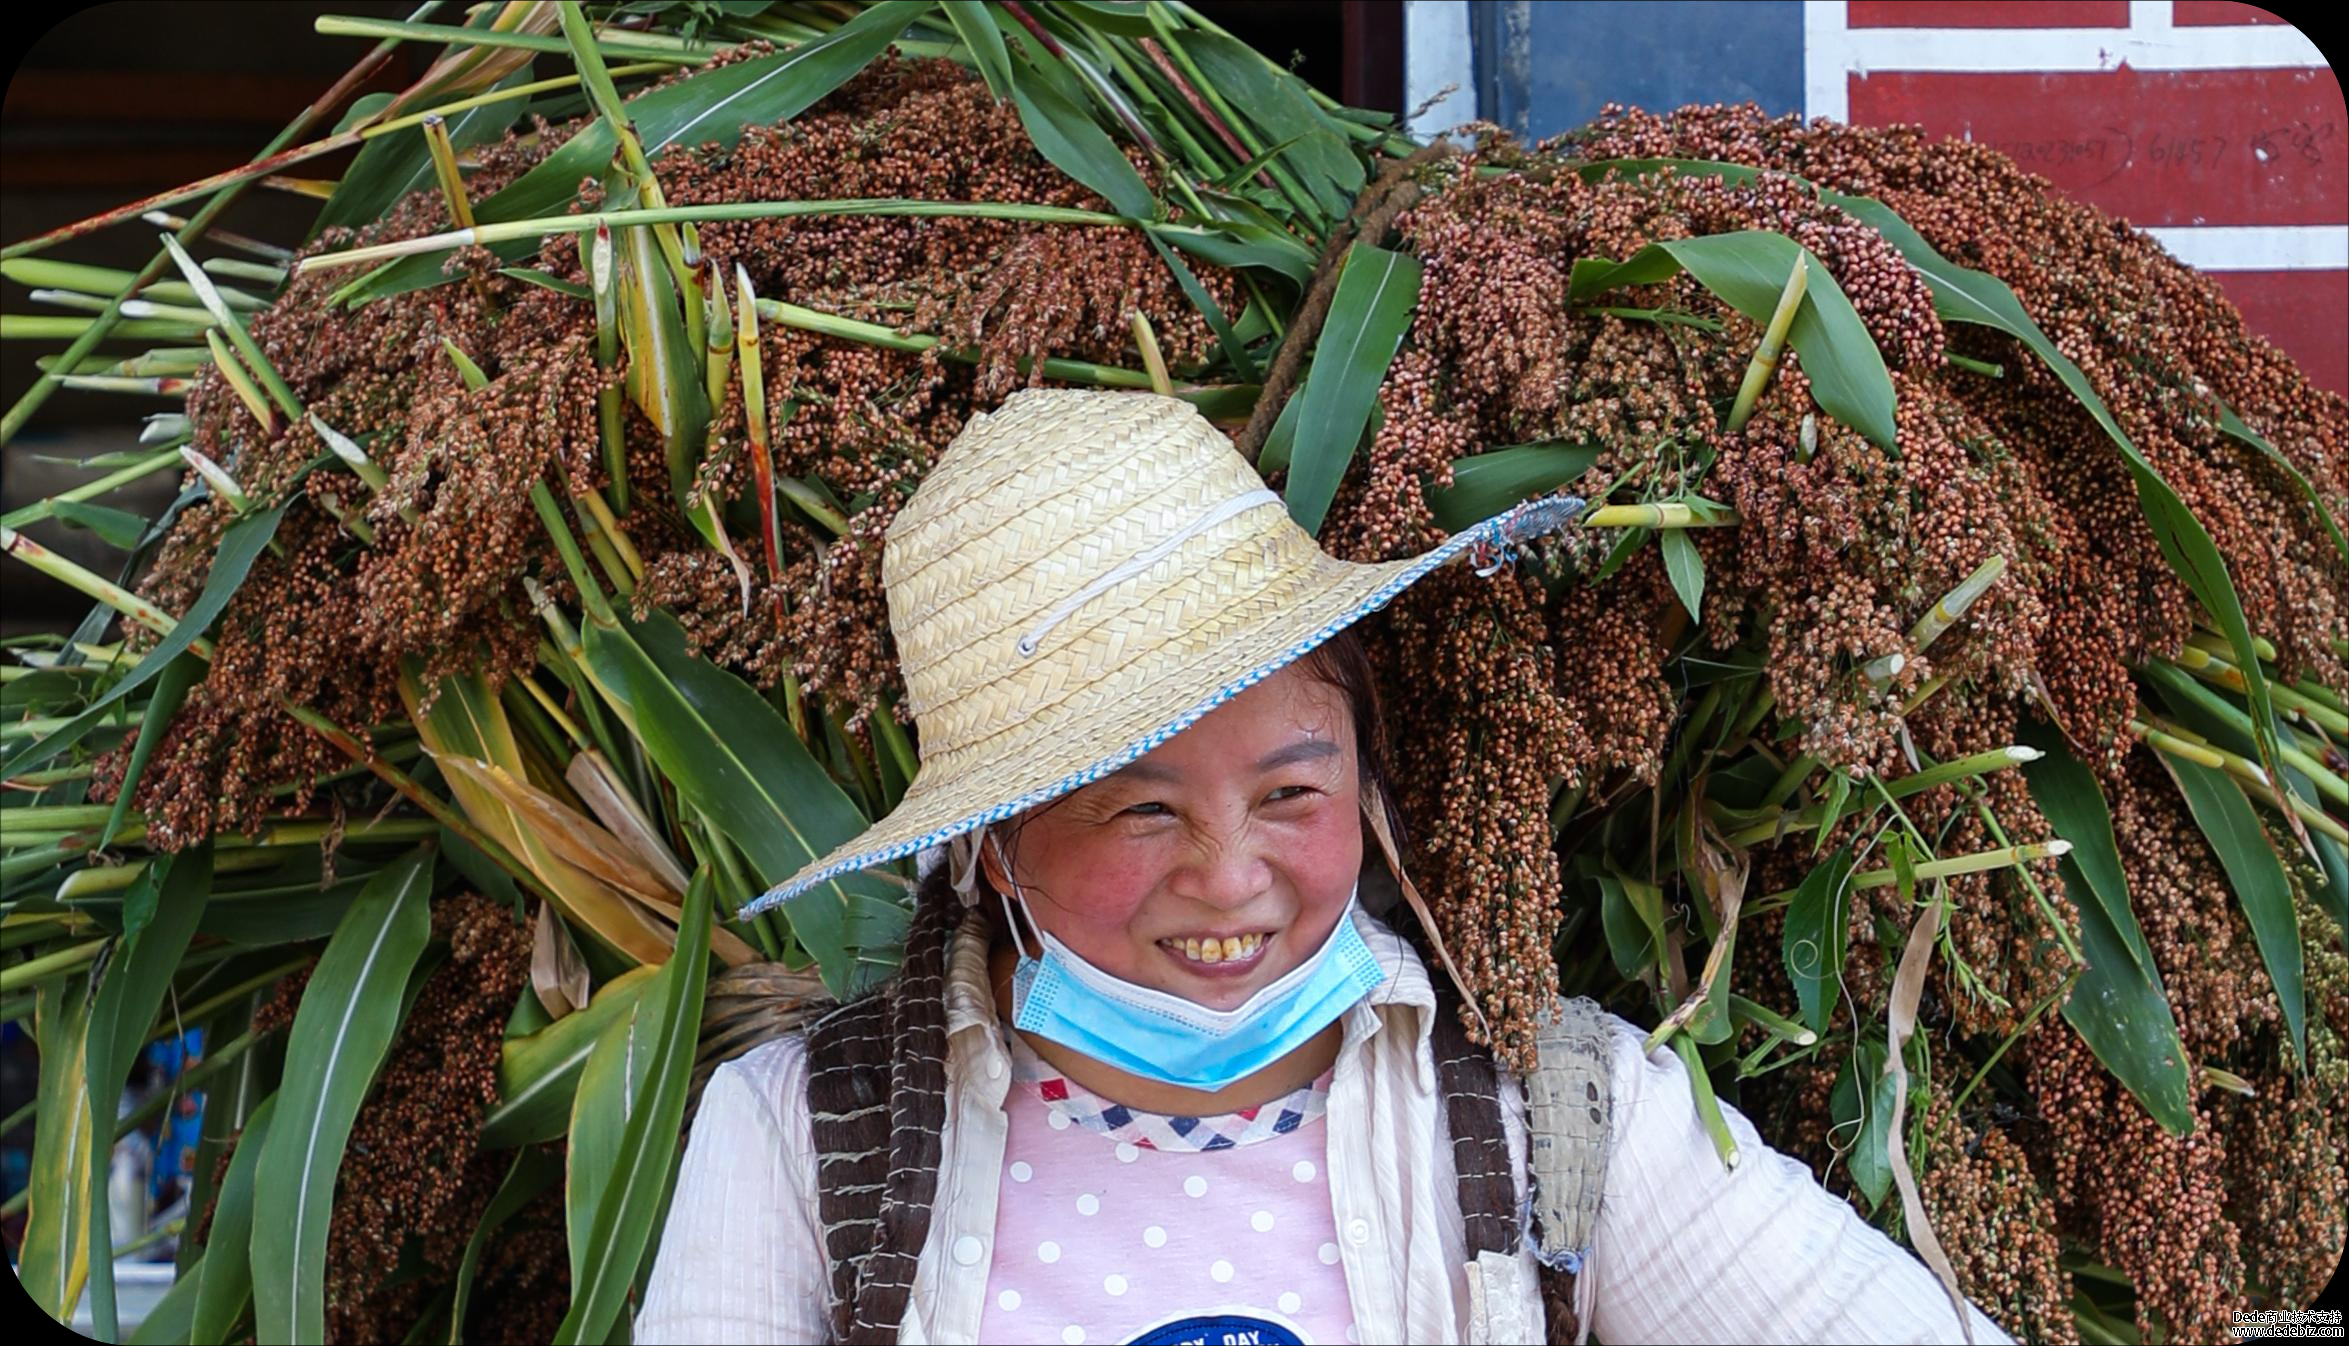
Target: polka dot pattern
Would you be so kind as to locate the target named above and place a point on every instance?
(1100, 1238)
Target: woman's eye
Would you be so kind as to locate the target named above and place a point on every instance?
(1151, 804)
(1302, 791)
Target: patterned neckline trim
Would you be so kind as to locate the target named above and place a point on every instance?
(1065, 1098)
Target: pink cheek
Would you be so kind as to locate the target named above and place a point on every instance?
(1330, 852)
(1100, 893)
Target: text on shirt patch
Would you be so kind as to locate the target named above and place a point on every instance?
(1219, 1329)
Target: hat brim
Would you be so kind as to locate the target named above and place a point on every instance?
(1333, 595)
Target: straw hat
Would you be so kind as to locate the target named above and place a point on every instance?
(1082, 576)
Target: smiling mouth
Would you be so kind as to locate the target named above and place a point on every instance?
(1235, 949)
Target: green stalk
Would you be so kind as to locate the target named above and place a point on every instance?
(638, 46)
(103, 282)
(1771, 1019)
(1955, 602)
(591, 594)
(592, 507)
(2216, 670)
(44, 327)
(1298, 198)
(240, 384)
(1700, 1084)
(43, 509)
(604, 96)
(2039, 896)
(143, 387)
(351, 521)
(219, 1000)
(2001, 857)
(547, 706)
(50, 964)
(1659, 514)
(892, 736)
(163, 219)
(508, 231)
(131, 308)
(607, 355)
(112, 595)
(1789, 780)
(444, 170)
(754, 419)
(873, 334)
(240, 269)
(233, 328)
(1943, 773)
(2180, 742)
(1766, 355)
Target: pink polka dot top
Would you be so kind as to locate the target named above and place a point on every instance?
(1117, 1226)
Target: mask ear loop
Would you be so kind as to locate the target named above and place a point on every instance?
(1374, 805)
(1010, 924)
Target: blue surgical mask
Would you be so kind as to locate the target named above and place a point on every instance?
(1160, 1036)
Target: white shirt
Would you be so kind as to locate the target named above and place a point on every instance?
(1684, 1251)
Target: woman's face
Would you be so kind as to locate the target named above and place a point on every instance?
(1241, 835)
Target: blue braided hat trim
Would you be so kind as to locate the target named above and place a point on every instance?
(1531, 519)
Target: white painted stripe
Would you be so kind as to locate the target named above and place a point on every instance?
(1865, 51)
(1826, 81)
(2304, 247)
(1437, 53)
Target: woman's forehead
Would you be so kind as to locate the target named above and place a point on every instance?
(1286, 715)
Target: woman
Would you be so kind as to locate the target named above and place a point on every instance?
(1152, 1072)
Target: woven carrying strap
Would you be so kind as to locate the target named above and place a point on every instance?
(1470, 1082)
(1569, 1104)
(848, 1113)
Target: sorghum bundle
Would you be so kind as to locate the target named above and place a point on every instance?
(1577, 752)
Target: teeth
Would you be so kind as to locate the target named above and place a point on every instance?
(1225, 950)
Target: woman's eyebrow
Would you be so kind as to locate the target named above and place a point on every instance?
(1305, 750)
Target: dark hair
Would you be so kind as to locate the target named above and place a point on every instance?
(1343, 662)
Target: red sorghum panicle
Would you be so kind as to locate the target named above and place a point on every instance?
(1993, 1217)
(414, 1181)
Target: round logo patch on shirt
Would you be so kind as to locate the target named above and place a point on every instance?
(1219, 1329)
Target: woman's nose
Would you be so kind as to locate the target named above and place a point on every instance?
(1227, 870)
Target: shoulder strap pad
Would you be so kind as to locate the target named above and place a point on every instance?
(1569, 1102)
